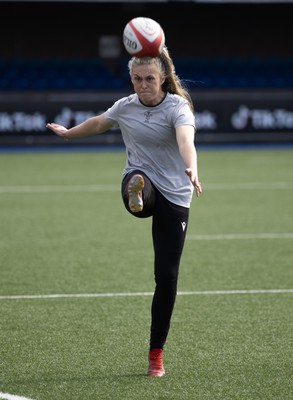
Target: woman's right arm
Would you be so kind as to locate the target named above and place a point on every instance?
(90, 127)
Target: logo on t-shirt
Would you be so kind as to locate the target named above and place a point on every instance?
(147, 115)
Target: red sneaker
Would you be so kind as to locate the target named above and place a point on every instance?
(156, 363)
(135, 186)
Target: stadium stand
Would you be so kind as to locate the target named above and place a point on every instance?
(93, 74)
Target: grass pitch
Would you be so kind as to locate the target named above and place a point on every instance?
(64, 231)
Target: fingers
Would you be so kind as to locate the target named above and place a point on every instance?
(59, 130)
(198, 189)
(53, 127)
(194, 181)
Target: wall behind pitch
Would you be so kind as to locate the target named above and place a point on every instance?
(72, 29)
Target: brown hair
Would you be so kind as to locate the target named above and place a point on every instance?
(172, 82)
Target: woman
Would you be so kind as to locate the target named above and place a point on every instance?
(160, 175)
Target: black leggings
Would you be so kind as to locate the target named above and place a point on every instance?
(169, 227)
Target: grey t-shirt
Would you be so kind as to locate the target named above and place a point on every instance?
(149, 135)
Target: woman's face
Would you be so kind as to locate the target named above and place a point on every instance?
(147, 83)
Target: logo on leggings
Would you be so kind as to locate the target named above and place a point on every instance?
(183, 224)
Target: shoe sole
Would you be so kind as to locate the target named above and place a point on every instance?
(135, 186)
(157, 374)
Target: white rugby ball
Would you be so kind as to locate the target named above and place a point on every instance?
(143, 37)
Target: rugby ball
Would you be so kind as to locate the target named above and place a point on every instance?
(143, 37)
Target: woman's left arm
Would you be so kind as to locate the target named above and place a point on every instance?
(185, 140)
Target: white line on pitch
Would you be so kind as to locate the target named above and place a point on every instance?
(241, 236)
(140, 294)
(7, 396)
(247, 185)
(113, 188)
(58, 189)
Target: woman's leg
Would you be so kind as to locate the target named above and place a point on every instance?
(169, 231)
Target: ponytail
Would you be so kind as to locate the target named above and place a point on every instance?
(172, 83)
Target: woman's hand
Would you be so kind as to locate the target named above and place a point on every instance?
(194, 180)
(59, 130)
